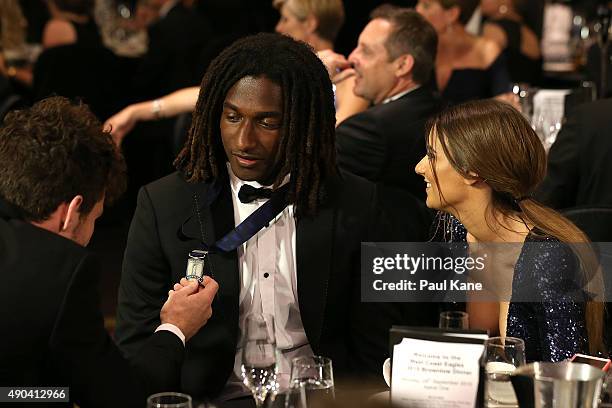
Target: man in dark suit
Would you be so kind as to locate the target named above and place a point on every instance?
(260, 156)
(58, 167)
(392, 63)
(579, 171)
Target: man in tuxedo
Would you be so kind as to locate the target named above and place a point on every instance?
(258, 188)
(579, 171)
(58, 168)
(393, 62)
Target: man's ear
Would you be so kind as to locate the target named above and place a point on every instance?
(405, 63)
(453, 14)
(311, 24)
(72, 215)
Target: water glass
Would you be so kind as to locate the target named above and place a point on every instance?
(259, 357)
(169, 400)
(316, 374)
(454, 320)
(524, 98)
(501, 357)
(547, 127)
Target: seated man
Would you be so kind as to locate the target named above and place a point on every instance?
(393, 63)
(261, 149)
(58, 168)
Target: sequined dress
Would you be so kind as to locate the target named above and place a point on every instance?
(553, 329)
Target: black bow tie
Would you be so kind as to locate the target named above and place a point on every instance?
(247, 193)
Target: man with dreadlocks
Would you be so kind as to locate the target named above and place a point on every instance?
(258, 188)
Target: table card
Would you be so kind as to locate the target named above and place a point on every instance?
(435, 374)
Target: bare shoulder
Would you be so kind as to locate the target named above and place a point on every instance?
(488, 50)
(495, 33)
(58, 32)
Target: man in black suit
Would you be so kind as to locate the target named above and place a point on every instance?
(393, 62)
(260, 155)
(58, 167)
(579, 171)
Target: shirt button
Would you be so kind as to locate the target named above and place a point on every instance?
(266, 275)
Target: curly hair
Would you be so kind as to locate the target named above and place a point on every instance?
(307, 142)
(54, 151)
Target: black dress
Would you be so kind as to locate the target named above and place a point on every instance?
(475, 83)
(520, 67)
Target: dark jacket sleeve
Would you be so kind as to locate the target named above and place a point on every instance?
(360, 146)
(370, 321)
(99, 376)
(560, 186)
(145, 280)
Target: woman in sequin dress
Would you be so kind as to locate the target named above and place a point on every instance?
(483, 162)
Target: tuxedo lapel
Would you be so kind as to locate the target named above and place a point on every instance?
(223, 265)
(215, 210)
(314, 244)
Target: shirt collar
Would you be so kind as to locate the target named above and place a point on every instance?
(399, 95)
(236, 183)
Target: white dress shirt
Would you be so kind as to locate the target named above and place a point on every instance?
(400, 94)
(268, 277)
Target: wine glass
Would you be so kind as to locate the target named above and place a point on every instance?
(454, 320)
(316, 374)
(502, 355)
(169, 400)
(547, 126)
(259, 358)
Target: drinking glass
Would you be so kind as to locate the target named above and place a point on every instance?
(259, 357)
(547, 127)
(454, 320)
(316, 374)
(524, 98)
(502, 355)
(169, 400)
(295, 396)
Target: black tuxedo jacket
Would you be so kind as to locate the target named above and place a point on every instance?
(337, 324)
(52, 329)
(385, 142)
(579, 171)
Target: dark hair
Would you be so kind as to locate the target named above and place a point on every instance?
(513, 166)
(413, 35)
(466, 8)
(54, 151)
(307, 142)
(81, 7)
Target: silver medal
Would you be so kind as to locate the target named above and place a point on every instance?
(195, 265)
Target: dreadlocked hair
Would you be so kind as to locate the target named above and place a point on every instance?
(307, 141)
